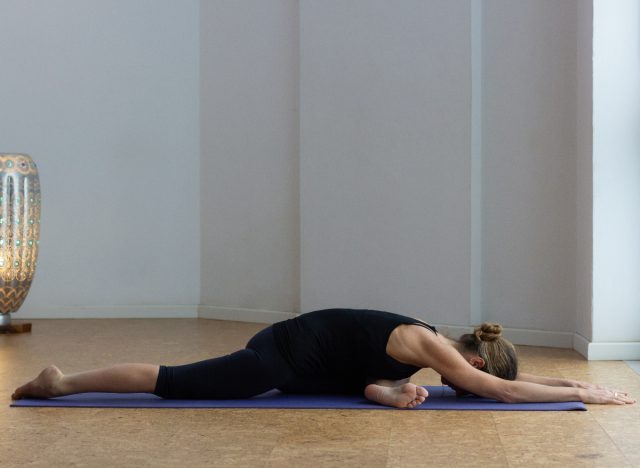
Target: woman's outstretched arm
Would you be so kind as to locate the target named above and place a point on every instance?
(560, 382)
(550, 381)
(454, 368)
(556, 381)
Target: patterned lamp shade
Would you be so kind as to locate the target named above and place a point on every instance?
(19, 230)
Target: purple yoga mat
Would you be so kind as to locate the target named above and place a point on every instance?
(440, 398)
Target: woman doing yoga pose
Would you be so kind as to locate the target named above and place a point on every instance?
(338, 351)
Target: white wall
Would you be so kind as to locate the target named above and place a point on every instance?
(385, 168)
(104, 96)
(249, 178)
(529, 153)
(616, 172)
(430, 148)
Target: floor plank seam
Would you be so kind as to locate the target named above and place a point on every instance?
(504, 452)
(614, 442)
(386, 464)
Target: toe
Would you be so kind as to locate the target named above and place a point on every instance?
(18, 393)
(416, 403)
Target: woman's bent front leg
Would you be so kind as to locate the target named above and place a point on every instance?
(400, 395)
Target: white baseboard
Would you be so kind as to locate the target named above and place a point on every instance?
(581, 345)
(515, 335)
(243, 315)
(628, 351)
(519, 336)
(594, 351)
(105, 312)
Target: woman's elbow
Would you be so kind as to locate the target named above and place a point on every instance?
(508, 397)
(507, 394)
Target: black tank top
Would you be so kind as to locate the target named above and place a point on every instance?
(343, 343)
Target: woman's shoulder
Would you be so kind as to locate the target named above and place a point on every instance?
(413, 344)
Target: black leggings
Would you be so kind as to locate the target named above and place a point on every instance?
(256, 369)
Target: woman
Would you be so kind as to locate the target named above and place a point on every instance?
(338, 351)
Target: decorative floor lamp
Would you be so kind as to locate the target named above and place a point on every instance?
(19, 235)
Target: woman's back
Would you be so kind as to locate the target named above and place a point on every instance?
(349, 344)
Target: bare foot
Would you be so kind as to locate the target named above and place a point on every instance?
(46, 385)
(405, 396)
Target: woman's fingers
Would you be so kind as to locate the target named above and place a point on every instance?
(621, 398)
(625, 398)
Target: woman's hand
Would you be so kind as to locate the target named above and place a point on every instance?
(603, 396)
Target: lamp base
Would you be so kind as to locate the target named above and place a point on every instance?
(16, 327)
(9, 326)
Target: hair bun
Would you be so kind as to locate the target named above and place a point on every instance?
(488, 332)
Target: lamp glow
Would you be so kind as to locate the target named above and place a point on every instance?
(19, 231)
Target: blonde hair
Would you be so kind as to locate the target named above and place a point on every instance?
(498, 354)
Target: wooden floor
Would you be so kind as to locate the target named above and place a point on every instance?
(603, 436)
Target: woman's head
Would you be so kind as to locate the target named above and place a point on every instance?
(498, 354)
